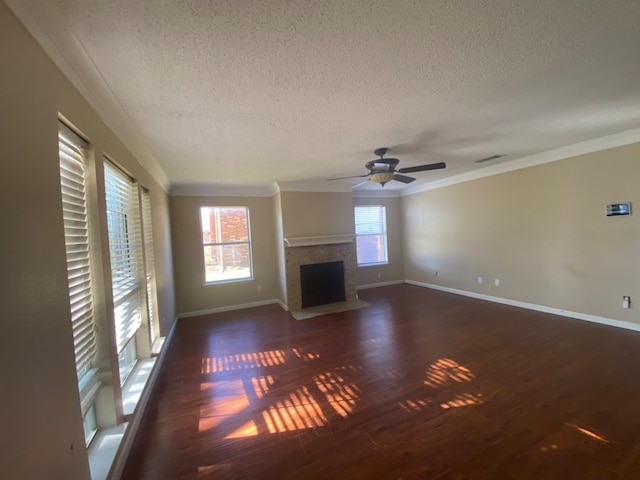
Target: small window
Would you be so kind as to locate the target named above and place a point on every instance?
(371, 235)
(226, 243)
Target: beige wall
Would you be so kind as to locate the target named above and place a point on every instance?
(308, 214)
(191, 293)
(39, 405)
(542, 231)
(280, 253)
(393, 271)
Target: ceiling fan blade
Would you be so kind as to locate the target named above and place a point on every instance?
(352, 176)
(423, 168)
(403, 178)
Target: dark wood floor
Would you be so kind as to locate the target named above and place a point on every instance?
(422, 384)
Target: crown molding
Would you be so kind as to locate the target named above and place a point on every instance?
(380, 193)
(313, 186)
(621, 139)
(223, 190)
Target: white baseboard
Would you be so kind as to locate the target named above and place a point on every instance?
(532, 306)
(132, 429)
(232, 307)
(381, 284)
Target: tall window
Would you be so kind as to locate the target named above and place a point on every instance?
(226, 243)
(72, 152)
(125, 253)
(371, 235)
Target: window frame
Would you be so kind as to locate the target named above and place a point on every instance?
(382, 232)
(248, 242)
(149, 265)
(129, 300)
(77, 218)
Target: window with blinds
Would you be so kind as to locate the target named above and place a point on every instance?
(72, 152)
(371, 235)
(149, 264)
(124, 249)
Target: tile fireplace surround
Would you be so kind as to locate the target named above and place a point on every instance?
(321, 249)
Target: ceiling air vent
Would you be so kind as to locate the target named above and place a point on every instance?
(492, 157)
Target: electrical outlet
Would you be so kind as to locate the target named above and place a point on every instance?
(259, 288)
(379, 275)
(496, 282)
(435, 273)
(479, 279)
(626, 301)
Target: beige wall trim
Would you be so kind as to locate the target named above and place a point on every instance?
(532, 306)
(229, 308)
(590, 146)
(132, 429)
(220, 190)
(379, 284)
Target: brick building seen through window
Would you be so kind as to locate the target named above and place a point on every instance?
(226, 243)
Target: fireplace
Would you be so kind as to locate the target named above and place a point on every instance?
(322, 283)
(328, 249)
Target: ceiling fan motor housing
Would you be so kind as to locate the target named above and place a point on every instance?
(383, 170)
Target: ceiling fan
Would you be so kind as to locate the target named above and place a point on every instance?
(383, 170)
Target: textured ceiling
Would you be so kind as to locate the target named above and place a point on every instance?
(255, 92)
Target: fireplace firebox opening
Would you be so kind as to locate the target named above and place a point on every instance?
(322, 283)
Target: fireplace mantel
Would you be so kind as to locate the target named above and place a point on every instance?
(319, 240)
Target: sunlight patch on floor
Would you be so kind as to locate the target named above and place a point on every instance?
(249, 429)
(222, 400)
(305, 355)
(340, 394)
(589, 433)
(462, 400)
(242, 361)
(298, 412)
(444, 371)
(261, 385)
(414, 405)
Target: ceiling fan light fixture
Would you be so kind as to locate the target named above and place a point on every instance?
(382, 177)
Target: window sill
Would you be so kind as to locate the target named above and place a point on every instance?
(103, 450)
(227, 282)
(134, 385)
(157, 346)
(364, 265)
(106, 442)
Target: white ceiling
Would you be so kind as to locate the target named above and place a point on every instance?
(255, 92)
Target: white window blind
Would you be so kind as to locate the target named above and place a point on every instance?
(76, 233)
(371, 235)
(149, 261)
(124, 244)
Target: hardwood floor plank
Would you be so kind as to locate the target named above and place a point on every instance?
(421, 384)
